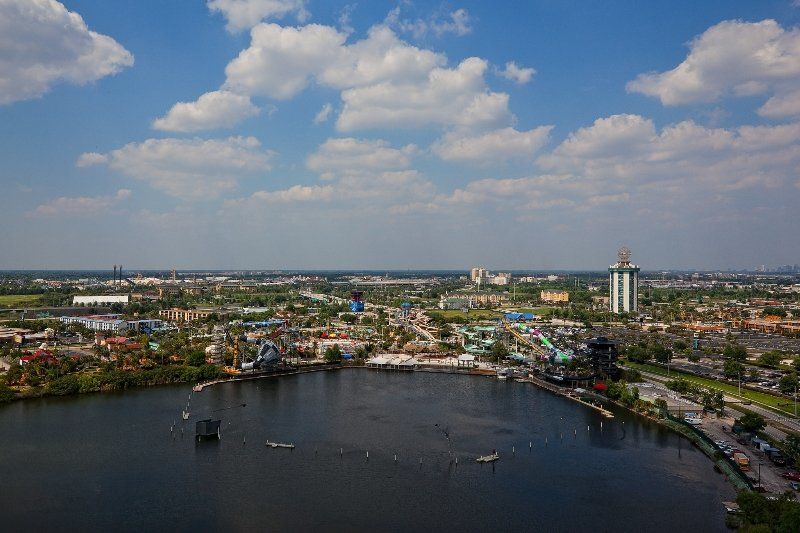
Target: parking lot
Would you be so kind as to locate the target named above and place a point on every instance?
(719, 430)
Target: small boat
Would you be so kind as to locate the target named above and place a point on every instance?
(280, 445)
(185, 415)
(488, 458)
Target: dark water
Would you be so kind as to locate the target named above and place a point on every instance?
(109, 462)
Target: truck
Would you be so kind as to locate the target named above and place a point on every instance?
(742, 460)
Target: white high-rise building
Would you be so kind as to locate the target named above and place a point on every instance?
(623, 281)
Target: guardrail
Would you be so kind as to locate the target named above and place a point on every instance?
(716, 452)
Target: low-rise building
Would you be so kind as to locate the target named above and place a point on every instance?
(188, 315)
(468, 300)
(97, 322)
(553, 296)
(100, 299)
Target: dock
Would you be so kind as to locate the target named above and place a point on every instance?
(567, 393)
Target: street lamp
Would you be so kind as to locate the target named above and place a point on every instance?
(759, 474)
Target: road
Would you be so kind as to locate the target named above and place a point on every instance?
(733, 402)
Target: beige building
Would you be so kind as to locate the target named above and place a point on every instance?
(554, 297)
(187, 315)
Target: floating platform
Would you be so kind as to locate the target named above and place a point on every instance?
(207, 429)
(280, 445)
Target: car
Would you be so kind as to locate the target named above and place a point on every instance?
(792, 476)
(794, 485)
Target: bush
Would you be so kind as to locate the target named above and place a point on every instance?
(63, 386)
(7, 394)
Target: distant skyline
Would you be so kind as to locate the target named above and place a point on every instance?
(309, 135)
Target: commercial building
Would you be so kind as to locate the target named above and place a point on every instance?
(97, 322)
(554, 297)
(112, 323)
(468, 300)
(188, 315)
(481, 276)
(100, 299)
(623, 281)
(477, 273)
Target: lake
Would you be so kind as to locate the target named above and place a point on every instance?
(110, 461)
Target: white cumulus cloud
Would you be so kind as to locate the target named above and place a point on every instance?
(731, 58)
(450, 97)
(782, 105)
(42, 43)
(215, 109)
(495, 145)
(191, 169)
(517, 74)
(358, 156)
(385, 81)
(244, 14)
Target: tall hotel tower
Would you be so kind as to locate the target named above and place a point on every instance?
(623, 281)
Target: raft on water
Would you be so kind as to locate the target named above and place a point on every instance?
(280, 445)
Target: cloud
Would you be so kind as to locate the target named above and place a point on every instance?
(626, 150)
(42, 43)
(358, 156)
(323, 114)
(449, 97)
(190, 169)
(519, 75)
(731, 58)
(296, 193)
(780, 106)
(457, 22)
(244, 14)
(89, 159)
(80, 205)
(353, 170)
(495, 145)
(216, 109)
(383, 78)
(280, 61)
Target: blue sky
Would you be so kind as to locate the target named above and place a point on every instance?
(301, 134)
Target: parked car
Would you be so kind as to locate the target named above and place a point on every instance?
(792, 476)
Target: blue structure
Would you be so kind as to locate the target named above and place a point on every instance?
(516, 317)
(357, 304)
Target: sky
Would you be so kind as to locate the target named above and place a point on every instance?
(302, 134)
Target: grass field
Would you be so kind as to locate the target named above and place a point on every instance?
(474, 314)
(777, 403)
(18, 300)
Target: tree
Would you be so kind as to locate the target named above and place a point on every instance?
(732, 368)
(791, 446)
(333, 354)
(788, 383)
(752, 422)
(735, 352)
(196, 358)
(6, 393)
(719, 401)
(499, 351)
(772, 359)
(661, 353)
